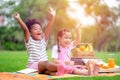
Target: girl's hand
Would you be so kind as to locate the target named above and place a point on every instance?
(78, 27)
(69, 63)
(52, 12)
(16, 15)
(77, 30)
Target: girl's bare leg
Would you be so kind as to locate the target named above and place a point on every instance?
(51, 67)
(90, 67)
(58, 68)
(50, 73)
(41, 66)
(80, 72)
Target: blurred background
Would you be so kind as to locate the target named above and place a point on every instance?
(100, 20)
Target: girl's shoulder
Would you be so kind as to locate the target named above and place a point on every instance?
(55, 47)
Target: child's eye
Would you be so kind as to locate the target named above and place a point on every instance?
(35, 28)
(66, 37)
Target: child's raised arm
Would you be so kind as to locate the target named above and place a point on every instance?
(78, 35)
(52, 14)
(22, 25)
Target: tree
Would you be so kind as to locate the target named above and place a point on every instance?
(105, 19)
(6, 6)
(5, 10)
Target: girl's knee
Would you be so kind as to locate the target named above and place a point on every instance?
(41, 66)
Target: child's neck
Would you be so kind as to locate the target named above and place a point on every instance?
(63, 46)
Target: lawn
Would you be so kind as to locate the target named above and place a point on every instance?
(11, 61)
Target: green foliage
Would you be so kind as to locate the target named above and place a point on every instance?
(11, 38)
(31, 9)
(13, 46)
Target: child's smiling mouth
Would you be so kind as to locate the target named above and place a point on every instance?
(67, 43)
(38, 33)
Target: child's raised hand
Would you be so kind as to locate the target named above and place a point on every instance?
(16, 15)
(52, 12)
(78, 26)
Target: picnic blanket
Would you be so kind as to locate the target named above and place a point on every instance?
(15, 76)
(31, 74)
(72, 75)
(36, 76)
(25, 75)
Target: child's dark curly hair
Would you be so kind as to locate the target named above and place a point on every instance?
(30, 22)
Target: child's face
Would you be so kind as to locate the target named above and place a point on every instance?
(36, 32)
(65, 40)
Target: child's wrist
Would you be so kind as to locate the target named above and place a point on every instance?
(51, 16)
(17, 18)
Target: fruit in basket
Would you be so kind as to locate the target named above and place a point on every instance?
(77, 49)
(90, 48)
(87, 48)
(82, 48)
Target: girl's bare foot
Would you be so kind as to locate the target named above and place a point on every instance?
(90, 67)
(96, 69)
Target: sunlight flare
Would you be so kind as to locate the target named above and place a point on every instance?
(77, 12)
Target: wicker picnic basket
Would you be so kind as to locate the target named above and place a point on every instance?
(83, 50)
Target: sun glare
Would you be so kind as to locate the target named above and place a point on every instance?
(77, 12)
(112, 3)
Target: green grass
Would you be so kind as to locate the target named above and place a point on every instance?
(104, 56)
(12, 61)
(93, 78)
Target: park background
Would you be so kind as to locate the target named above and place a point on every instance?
(100, 21)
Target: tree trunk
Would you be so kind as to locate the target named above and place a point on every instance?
(102, 42)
